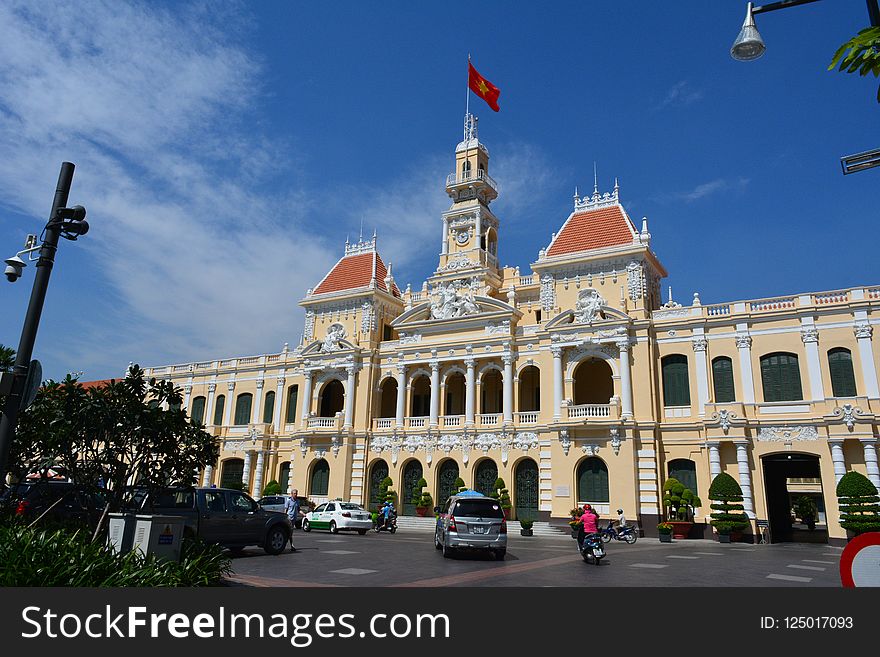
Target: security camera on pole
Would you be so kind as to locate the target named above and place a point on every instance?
(23, 380)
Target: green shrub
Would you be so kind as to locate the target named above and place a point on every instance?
(679, 500)
(526, 523)
(385, 492)
(500, 493)
(858, 500)
(458, 485)
(805, 508)
(728, 514)
(52, 557)
(272, 488)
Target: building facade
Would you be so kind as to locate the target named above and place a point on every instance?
(574, 383)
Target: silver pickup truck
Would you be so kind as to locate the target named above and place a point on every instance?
(224, 516)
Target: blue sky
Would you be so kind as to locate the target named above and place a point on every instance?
(224, 152)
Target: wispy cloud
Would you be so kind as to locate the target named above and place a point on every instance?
(680, 94)
(713, 187)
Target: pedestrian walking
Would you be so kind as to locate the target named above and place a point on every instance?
(293, 511)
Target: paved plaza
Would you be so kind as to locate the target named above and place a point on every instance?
(410, 560)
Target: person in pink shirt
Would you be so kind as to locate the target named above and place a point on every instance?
(588, 523)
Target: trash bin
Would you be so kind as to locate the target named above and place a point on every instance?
(120, 534)
(159, 535)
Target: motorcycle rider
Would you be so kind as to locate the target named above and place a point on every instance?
(621, 521)
(387, 514)
(588, 523)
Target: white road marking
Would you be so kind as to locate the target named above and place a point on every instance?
(679, 556)
(339, 552)
(648, 565)
(830, 563)
(714, 554)
(354, 571)
(330, 540)
(790, 578)
(799, 567)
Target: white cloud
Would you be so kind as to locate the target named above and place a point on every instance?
(680, 94)
(713, 187)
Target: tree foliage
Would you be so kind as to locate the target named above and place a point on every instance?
(272, 488)
(728, 512)
(679, 500)
(500, 493)
(858, 500)
(7, 358)
(128, 431)
(861, 53)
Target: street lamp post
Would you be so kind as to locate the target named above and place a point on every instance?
(63, 222)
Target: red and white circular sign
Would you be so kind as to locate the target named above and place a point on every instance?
(860, 561)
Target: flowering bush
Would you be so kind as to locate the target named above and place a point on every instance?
(574, 523)
(664, 527)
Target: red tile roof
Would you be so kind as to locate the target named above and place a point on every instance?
(95, 384)
(593, 229)
(354, 271)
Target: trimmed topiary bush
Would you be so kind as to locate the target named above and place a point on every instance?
(500, 493)
(420, 497)
(858, 500)
(728, 513)
(458, 485)
(272, 488)
(385, 492)
(679, 500)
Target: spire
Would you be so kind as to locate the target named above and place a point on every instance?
(595, 180)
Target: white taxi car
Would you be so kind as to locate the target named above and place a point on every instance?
(337, 517)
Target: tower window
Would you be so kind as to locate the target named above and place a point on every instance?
(538, 316)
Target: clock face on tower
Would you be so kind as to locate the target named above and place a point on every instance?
(462, 237)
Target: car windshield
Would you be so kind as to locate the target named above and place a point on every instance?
(180, 499)
(478, 509)
(348, 506)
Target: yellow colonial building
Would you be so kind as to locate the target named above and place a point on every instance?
(574, 383)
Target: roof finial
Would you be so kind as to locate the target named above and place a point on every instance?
(595, 179)
(361, 234)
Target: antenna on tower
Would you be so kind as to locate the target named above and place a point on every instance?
(595, 178)
(361, 234)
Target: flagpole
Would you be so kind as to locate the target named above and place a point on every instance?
(467, 93)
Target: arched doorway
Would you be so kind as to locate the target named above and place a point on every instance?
(412, 472)
(284, 477)
(319, 484)
(485, 475)
(592, 480)
(447, 473)
(232, 473)
(525, 490)
(787, 478)
(491, 391)
(332, 399)
(388, 398)
(455, 387)
(592, 382)
(529, 389)
(421, 397)
(378, 472)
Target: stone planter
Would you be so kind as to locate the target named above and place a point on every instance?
(423, 511)
(724, 538)
(525, 532)
(666, 538)
(680, 529)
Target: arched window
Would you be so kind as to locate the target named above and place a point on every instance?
(284, 477)
(269, 407)
(332, 399)
(388, 398)
(219, 404)
(491, 392)
(685, 471)
(843, 381)
(197, 415)
(320, 478)
(378, 472)
(485, 475)
(447, 473)
(421, 397)
(593, 480)
(530, 389)
(232, 473)
(722, 379)
(781, 377)
(292, 395)
(676, 388)
(466, 170)
(455, 394)
(243, 405)
(593, 382)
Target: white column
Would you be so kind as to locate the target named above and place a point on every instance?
(258, 476)
(507, 394)
(401, 395)
(246, 473)
(699, 343)
(868, 444)
(745, 478)
(557, 382)
(435, 392)
(230, 400)
(187, 391)
(714, 459)
(257, 410)
(626, 397)
(280, 393)
(810, 337)
(307, 398)
(349, 397)
(209, 405)
(209, 473)
(837, 458)
(444, 244)
(863, 332)
(469, 393)
(747, 381)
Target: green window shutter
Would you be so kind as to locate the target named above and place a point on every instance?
(722, 378)
(843, 380)
(320, 478)
(243, 404)
(676, 388)
(292, 396)
(685, 471)
(218, 410)
(781, 378)
(593, 481)
(198, 410)
(791, 378)
(269, 411)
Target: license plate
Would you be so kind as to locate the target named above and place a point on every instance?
(478, 530)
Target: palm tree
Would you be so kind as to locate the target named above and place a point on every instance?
(7, 358)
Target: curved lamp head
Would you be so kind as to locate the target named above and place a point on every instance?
(748, 45)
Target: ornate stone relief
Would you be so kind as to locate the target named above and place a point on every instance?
(548, 293)
(635, 280)
(335, 333)
(410, 339)
(368, 317)
(724, 418)
(809, 334)
(502, 327)
(589, 306)
(848, 414)
(788, 434)
(565, 441)
(590, 449)
(862, 330)
(743, 341)
(454, 299)
(616, 441)
(309, 332)
(699, 343)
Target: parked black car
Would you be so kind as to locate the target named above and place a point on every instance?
(224, 516)
(30, 498)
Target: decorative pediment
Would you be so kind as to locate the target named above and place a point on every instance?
(589, 312)
(452, 308)
(318, 348)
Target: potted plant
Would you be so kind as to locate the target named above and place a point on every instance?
(500, 493)
(680, 502)
(526, 526)
(575, 522)
(665, 531)
(385, 493)
(859, 508)
(458, 485)
(728, 514)
(422, 498)
(806, 510)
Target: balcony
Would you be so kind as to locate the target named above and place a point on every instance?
(591, 411)
(470, 177)
(526, 417)
(416, 422)
(325, 423)
(451, 421)
(489, 419)
(383, 423)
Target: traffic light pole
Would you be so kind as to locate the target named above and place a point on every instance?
(32, 319)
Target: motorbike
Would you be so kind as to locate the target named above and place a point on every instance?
(592, 548)
(388, 525)
(627, 534)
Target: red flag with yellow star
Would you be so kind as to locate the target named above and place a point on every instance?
(482, 87)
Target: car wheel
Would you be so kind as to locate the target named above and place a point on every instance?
(500, 554)
(362, 531)
(437, 545)
(306, 527)
(448, 551)
(276, 539)
(333, 528)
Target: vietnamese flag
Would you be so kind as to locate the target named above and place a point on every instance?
(482, 87)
